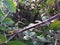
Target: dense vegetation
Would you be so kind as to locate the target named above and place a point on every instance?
(19, 14)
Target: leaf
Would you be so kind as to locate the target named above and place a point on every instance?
(8, 21)
(58, 0)
(1, 15)
(40, 5)
(15, 3)
(10, 5)
(0, 0)
(2, 38)
(22, 1)
(50, 2)
(55, 25)
(2, 27)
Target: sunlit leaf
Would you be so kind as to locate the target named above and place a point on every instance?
(11, 6)
(58, 0)
(50, 2)
(15, 3)
(55, 25)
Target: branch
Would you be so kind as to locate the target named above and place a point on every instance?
(20, 31)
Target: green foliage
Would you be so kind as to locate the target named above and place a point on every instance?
(22, 1)
(2, 38)
(10, 5)
(2, 27)
(55, 25)
(0, 0)
(16, 43)
(50, 2)
(58, 0)
(40, 5)
(4, 22)
(8, 21)
(1, 15)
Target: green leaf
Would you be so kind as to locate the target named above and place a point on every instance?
(50, 2)
(55, 25)
(58, 0)
(2, 38)
(8, 21)
(22, 1)
(0, 0)
(10, 5)
(2, 27)
(1, 15)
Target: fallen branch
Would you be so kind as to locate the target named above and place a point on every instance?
(22, 30)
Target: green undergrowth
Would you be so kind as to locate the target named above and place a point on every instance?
(2, 38)
(20, 42)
